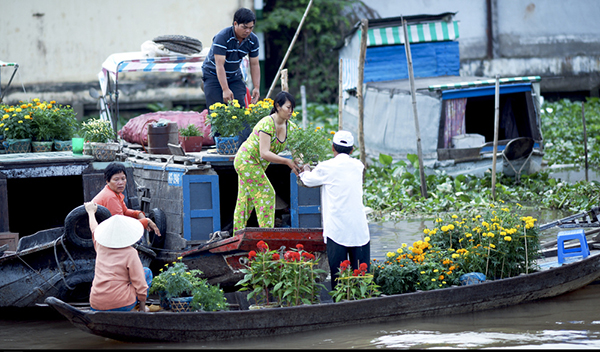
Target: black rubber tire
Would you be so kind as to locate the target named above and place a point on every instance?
(179, 39)
(160, 219)
(180, 48)
(77, 226)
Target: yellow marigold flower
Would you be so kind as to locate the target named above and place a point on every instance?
(502, 233)
(5, 116)
(468, 235)
(426, 231)
(294, 114)
(179, 258)
(214, 114)
(433, 280)
(519, 205)
(444, 228)
(234, 117)
(6, 129)
(27, 117)
(422, 272)
(11, 109)
(454, 256)
(491, 235)
(173, 274)
(427, 239)
(49, 106)
(444, 282)
(36, 100)
(451, 227)
(438, 220)
(24, 106)
(492, 245)
(399, 250)
(404, 245)
(174, 262)
(454, 216)
(332, 132)
(246, 112)
(160, 270)
(390, 254)
(435, 270)
(20, 121)
(18, 110)
(507, 238)
(187, 272)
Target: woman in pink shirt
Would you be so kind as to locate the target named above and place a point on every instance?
(120, 279)
(112, 197)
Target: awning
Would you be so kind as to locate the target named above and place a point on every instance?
(417, 33)
(484, 83)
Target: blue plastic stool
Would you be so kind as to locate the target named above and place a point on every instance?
(582, 250)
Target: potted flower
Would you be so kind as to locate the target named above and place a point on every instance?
(286, 279)
(309, 146)
(191, 138)
(181, 289)
(66, 127)
(227, 121)
(99, 136)
(16, 127)
(354, 284)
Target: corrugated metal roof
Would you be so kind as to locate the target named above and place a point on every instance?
(417, 33)
(479, 83)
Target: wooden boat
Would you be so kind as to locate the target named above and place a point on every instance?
(552, 280)
(56, 262)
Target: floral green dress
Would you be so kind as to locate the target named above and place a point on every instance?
(255, 191)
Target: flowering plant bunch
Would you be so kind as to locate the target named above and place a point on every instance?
(16, 121)
(42, 121)
(178, 281)
(354, 284)
(97, 130)
(291, 280)
(499, 243)
(255, 112)
(310, 145)
(227, 119)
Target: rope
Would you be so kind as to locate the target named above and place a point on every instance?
(62, 274)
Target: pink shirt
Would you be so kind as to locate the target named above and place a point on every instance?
(119, 278)
(115, 203)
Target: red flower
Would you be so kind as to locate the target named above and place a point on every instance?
(356, 272)
(276, 256)
(345, 264)
(262, 246)
(291, 256)
(363, 267)
(299, 247)
(251, 255)
(308, 256)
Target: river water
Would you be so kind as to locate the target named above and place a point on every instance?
(566, 322)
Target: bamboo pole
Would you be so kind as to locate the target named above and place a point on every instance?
(304, 112)
(496, 123)
(359, 88)
(584, 140)
(414, 104)
(340, 103)
(287, 54)
(284, 80)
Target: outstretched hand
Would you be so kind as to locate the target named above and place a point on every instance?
(295, 168)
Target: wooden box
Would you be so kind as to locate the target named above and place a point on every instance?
(12, 238)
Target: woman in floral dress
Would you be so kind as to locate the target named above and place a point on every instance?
(268, 138)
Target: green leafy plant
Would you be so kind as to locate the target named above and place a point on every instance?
(178, 281)
(291, 280)
(97, 130)
(190, 131)
(227, 119)
(354, 284)
(16, 121)
(310, 145)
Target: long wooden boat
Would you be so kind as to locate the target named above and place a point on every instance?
(550, 281)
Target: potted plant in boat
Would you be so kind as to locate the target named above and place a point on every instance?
(191, 138)
(66, 127)
(227, 121)
(16, 127)
(182, 290)
(309, 145)
(99, 136)
(48, 124)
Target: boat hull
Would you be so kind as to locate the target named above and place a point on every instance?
(204, 326)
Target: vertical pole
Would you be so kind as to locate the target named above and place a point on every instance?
(284, 80)
(287, 54)
(340, 102)
(584, 140)
(304, 112)
(359, 88)
(496, 123)
(414, 104)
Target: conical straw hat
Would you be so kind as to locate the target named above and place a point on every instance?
(119, 231)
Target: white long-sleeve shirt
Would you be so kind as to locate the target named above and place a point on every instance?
(344, 218)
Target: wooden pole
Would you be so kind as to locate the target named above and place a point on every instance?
(284, 80)
(287, 54)
(584, 140)
(340, 102)
(496, 123)
(304, 112)
(364, 28)
(414, 104)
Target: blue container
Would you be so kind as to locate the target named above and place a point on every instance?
(471, 278)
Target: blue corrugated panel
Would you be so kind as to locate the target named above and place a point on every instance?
(388, 63)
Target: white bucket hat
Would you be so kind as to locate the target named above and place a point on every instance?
(118, 231)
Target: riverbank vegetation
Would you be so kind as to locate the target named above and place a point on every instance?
(392, 189)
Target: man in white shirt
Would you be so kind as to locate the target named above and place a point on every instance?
(345, 228)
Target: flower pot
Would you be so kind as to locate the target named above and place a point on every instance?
(164, 301)
(18, 145)
(105, 151)
(88, 148)
(181, 304)
(63, 146)
(191, 143)
(227, 145)
(41, 146)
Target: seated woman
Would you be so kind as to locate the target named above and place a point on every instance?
(120, 279)
(112, 197)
